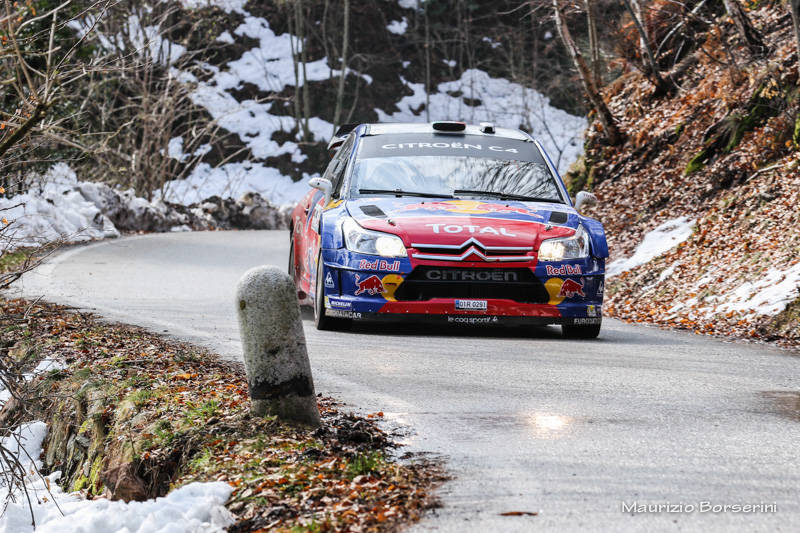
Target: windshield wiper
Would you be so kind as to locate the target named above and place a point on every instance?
(508, 196)
(400, 192)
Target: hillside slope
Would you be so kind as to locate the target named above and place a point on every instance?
(705, 191)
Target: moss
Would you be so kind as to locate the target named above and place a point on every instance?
(796, 134)
(140, 398)
(365, 463)
(697, 162)
(81, 483)
(11, 260)
(94, 475)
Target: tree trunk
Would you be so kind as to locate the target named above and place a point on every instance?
(647, 52)
(751, 37)
(340, 90)
(606, 118)
(427, 65)
(292, 18)
(304, 59)
(795, 7)
(594, 46)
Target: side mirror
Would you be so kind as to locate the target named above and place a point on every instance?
(323, 185)
(584, 198)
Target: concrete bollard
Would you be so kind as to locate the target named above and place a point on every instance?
(274, 345)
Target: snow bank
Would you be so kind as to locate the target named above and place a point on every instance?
(665, 237)
(193, 508)
(233, 180)
(502, 102)
(54, 209)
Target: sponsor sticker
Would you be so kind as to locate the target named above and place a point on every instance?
(472, 305)
(452, 145)
(338, 313)
(563, 270)
(472, 319)
(585, 321)
(379, 264)
(571, 288)
(469, 228)
(371, 285)
(471, 275)
(335, 303)
(471, 207)
(329, 281)
(591, 310)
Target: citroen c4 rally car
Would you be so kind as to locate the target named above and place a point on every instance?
(449, 222)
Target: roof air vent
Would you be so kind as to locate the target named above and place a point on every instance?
(487, 127)
(446, 125)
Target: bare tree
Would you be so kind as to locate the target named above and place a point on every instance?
(610, 128)
(37, 68)
(648, 58)
(795, 8)
(748, 33)
(340, 89)
(594, 45)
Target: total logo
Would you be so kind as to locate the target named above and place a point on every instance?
(469, 228)
(564, 270)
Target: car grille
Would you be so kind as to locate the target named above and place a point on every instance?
(517, 284)
(472, 250)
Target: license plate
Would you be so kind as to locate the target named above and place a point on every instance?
(471, 305)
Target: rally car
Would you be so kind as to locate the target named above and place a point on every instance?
(446, 221)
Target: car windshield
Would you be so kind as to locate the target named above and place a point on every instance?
(456, 175)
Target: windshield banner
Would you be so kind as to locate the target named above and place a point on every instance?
(416, 144)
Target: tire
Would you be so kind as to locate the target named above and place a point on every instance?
(321, 321)
(580, 332)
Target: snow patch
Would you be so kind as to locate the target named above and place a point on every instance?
(192, 508)
(232, 181)
(398, 27)
(228, 6)
(767, 296)
(665, 237)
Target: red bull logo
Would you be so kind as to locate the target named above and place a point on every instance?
(469, 207)
(570, 288)
(371, 285)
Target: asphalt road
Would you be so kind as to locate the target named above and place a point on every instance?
(527, 421)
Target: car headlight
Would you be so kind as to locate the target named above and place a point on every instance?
(364, 241)
(575, 247)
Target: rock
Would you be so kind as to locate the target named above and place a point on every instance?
(123, 483)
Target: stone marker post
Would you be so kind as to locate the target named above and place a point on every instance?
(274, 345)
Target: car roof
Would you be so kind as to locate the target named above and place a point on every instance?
(386, 128)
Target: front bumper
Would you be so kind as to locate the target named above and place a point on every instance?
(361, 287)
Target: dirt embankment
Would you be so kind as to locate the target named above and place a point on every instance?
(133, 415)
(722, 150)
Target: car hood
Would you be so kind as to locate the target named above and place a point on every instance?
(454, 222)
